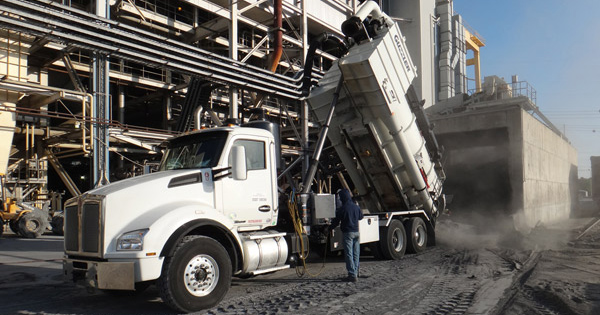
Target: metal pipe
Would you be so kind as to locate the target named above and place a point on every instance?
(190, 56)
(151, 25)
(233, 54)
(278, 42)
(413, 171)
(298, 160)
(133, 29)
(198, 117)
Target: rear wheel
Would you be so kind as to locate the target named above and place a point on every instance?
(393, 240)
(32, 224)
(197, 276)
(1, 227)
(417, 240)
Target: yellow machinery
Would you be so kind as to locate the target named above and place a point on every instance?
(23, 220)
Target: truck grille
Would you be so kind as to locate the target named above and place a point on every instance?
(83, 227)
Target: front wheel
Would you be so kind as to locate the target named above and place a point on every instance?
(417, 241)
(197, 276)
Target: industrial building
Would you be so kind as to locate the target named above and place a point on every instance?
(90, 89)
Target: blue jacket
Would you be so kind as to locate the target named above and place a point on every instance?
(348, 214)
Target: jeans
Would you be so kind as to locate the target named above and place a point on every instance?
(351, 252)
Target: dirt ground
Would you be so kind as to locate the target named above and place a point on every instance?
(472, 270)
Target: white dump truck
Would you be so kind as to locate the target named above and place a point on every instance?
(213, 210)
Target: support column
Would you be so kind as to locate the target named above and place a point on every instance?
(121, 118)
(233, 54)
(305, 110)
(101, 116)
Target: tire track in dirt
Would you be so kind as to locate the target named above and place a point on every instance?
(452, 292)
(437, 281)
(328, 295)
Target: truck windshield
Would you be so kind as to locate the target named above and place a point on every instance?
(194, 151)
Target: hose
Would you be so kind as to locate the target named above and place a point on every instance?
(302, 270)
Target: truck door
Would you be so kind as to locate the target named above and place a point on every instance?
(250, 202)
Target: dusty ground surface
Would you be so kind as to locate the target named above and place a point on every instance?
(551, 270)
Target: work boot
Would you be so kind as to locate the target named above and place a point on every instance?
(350, 278)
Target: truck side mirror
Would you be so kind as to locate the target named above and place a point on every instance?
(238, 163)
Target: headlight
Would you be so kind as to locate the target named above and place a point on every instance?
(133, 240)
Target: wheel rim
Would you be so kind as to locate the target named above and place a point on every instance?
(201, 275)
(420, 235)
(32, 225)
(397, 240)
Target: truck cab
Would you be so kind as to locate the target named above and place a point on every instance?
(217, 183)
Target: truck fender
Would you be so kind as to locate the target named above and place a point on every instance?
(208, 228)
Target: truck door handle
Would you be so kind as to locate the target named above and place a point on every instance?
(265, 208)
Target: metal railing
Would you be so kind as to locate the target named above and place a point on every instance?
(523, 88)
(513, 89)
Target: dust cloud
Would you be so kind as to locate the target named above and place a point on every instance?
(486, 231)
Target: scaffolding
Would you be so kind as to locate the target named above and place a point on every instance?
(80, 77)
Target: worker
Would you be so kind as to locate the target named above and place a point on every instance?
(348, 214)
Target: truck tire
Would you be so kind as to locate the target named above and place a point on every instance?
(197, 276)
(1, 226)
(417, 240)
(32, 224)
(393, 240)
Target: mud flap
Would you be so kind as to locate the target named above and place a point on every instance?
(430, 233)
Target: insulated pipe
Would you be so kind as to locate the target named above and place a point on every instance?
(354, 24)
(278, 42)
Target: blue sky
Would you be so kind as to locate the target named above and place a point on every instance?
(555, 46)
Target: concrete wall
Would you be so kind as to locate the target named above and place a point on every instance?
(504, 163)
(549, 165)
